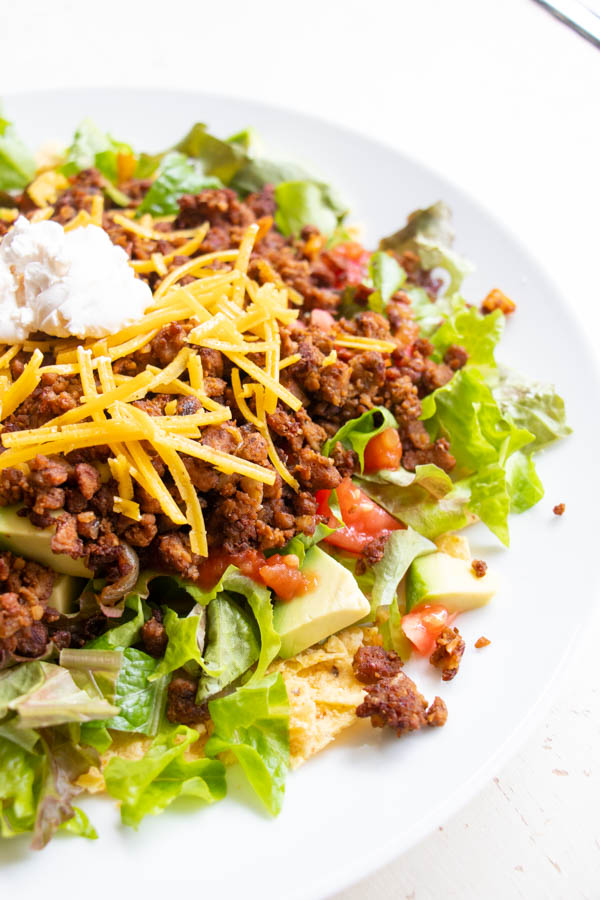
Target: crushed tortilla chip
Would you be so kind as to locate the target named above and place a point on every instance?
(455, 545)
(323, 691)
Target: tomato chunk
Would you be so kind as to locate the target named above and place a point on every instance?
(211, 569)
(424, 625)
(363, 518)
(348, 262)
(384, 451)
(283, 575)
(322, 319)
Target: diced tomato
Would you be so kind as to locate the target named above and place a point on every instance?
(424, 625)
(363, 519)
(384, 451)
(348, 262)
(322, 319)
(283, 575)
(212, 568)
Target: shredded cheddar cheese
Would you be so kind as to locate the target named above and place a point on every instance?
(221, 309)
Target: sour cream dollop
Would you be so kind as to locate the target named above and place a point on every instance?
(66, 283)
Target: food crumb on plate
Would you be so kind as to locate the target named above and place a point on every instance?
(479, 566)
(482, 642)
(559, 509)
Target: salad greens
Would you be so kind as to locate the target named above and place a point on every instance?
(253, 724)
(148, 785)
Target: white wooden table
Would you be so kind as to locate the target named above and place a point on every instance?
(502, 99)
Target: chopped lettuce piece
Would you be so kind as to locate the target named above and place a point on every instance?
(223, 159)
(93, 147)
(139, 700)
(489, 499)
(427, 500)
(355, 434)
(465, 411)
(532, 405)
(468, 328)
(36, 788)
(17, 165)
(428, 233)
(176, 176)
(387, 276)
(79, 825)
(258, 598)
(18, 771)
(231, 645)
(148, 785)
(62, 764)
(301, 203)
(400, 549)
(523, 482)
(393, 634)
(253, 724)
(258, 172)
(17, 682)
(59, 699)
(183, 646)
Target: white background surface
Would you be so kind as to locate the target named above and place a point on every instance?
(504, 101)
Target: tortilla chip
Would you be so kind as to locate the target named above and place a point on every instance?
(455, 545)
(323, 691)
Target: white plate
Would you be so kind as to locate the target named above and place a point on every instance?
(370, 797)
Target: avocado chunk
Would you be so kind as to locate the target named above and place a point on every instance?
(65, 592)
(451, 582)
(333, 604)
(18, 535)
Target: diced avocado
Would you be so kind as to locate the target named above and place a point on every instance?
(65, 592)
(333, 604)
(18, 535)
(451, 582)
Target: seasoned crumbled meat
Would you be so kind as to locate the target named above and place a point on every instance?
(371, 664)
(88, 525)
(181, 700)
(66, 540)
(497, 300)
(25, 588)
(559, 509)
(437, 453)
(88, 479)
(449, 649)
(142, 533)
(482, 642)
(455, 357)
(154, 635)
(316, 472)
(437, 714)
(374, 550)
(397, 703)
(479, 566)
(345, 461)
